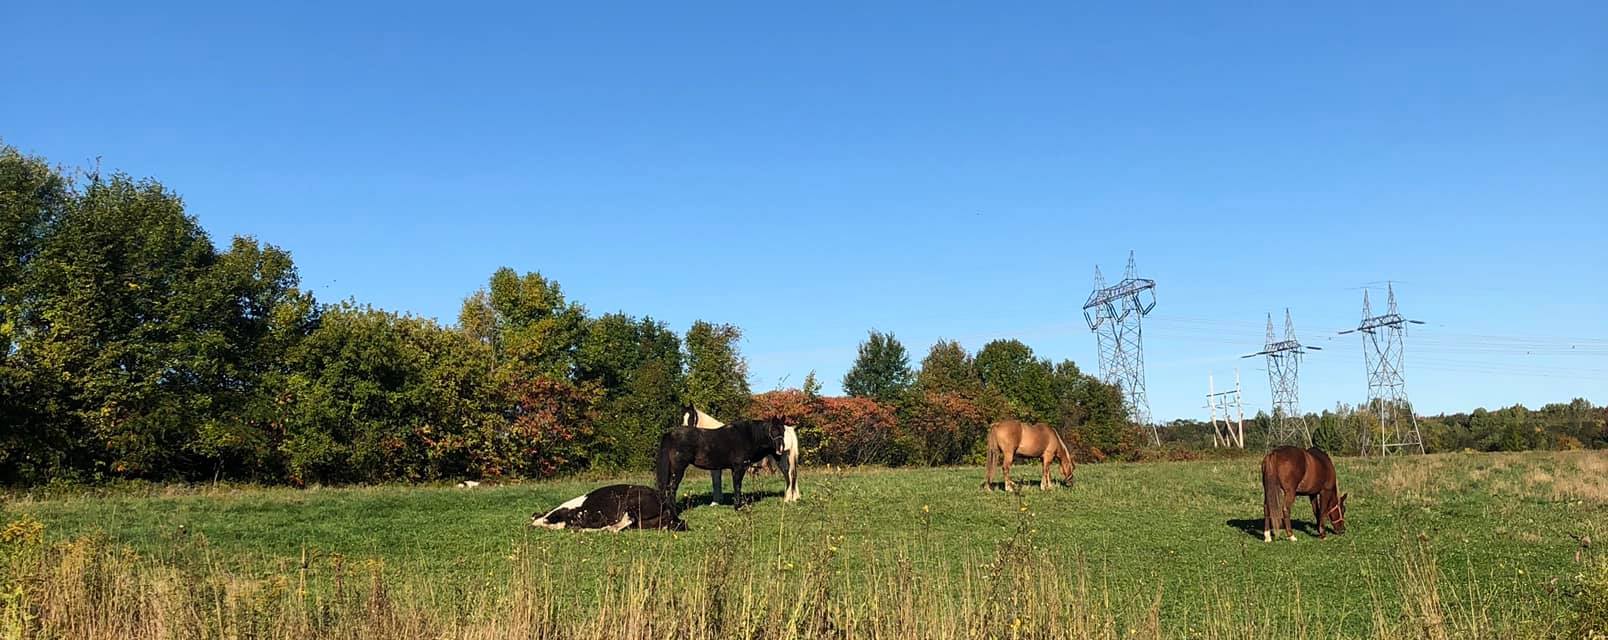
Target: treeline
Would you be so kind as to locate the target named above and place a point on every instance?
(133, 347)
(1558, 426)
(938, 413)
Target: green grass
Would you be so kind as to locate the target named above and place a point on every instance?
(1503, 530)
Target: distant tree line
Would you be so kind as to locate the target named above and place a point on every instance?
(939, 412)
(131, 346)
(1559, 426)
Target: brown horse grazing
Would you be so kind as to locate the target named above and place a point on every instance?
(1288, 472)
(1010, 438)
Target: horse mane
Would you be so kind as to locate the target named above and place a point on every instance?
(1064, 451)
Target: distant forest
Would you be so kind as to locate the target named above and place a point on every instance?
(135, 347)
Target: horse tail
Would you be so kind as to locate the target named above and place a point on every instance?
(1272, 496)
(993, 459)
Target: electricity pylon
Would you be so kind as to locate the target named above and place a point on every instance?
(1229, 430)
(1383, 347)
(1284, 378)
(1114, 315)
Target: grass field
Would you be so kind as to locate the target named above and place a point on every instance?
(1444, 546)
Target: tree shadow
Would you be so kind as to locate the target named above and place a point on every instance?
(1253, 526)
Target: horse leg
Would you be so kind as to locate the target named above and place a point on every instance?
(792, 473)
(737, 486)
(1005, 468)
(1317, 516)
(1270, 504)
(1289, 503)
(673, 476)
(1044, 480)
(789, 466)
(714, 478)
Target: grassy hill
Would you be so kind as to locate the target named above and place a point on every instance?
(1456, 545)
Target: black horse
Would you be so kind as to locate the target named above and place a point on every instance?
(737, 446)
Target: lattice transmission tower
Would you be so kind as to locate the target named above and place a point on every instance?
(1284, 378)
(1114, 314)
(1228, 414)
(1383, 347)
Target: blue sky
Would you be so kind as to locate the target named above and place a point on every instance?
(936, 170)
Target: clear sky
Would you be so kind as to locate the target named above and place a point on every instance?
(937, 170)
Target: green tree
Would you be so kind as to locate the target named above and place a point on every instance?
(257, 315)
(637, 366)
(152, 337)
(948, 368)
(34, 440)
(529, 325)
(881, 371)
(717, 374)
(374, 396)
(1026, 382)
(811, 387)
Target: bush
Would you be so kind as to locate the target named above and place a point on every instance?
(850, 431)
(942, 428)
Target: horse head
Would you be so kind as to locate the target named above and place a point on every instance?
(776, 429)
(689, 416)
(1067, 465)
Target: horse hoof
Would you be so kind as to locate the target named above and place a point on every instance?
(1267, 536)
(1292, 538)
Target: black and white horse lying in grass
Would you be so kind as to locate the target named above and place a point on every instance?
(736, 446)
(615, 507)
(786, 461)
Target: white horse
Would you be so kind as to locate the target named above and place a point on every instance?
(788, 464)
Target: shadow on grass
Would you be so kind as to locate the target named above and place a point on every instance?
(1253, 526)
(694, 500)
(1024, 485)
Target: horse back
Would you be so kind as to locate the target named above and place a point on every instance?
(1014, 437)
(1320, 472)
(1286, 466)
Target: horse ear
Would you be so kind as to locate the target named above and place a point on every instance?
(1343, 499)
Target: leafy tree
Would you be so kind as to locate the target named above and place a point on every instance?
(252, 291)
(792, 405)
(717, 375)
(529, 325)
(943, 428)
(881, 371)
(637, 366)
(553, 426)
(1009, 367)
(851, 431)
(948, 368)
(374, 395)
(34, 440)
(157, 342)
(811, 387)
(478, 320)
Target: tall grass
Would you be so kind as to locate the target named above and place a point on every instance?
(90, 588)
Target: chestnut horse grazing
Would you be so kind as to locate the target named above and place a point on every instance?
(1288, 472)
(1010, 438)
